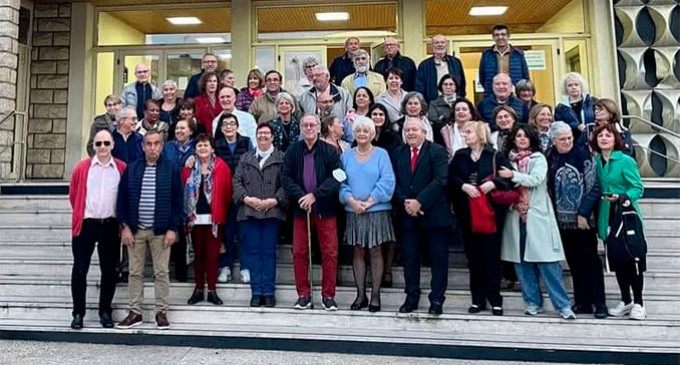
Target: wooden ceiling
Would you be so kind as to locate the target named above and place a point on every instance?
(303, 18)
(215, 20)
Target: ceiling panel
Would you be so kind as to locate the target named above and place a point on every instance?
(303, 18)
(215, 20)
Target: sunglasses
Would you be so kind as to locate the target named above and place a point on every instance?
(100, 143)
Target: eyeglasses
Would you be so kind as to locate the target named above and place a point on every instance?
(229, 124)
(100, 143)
(308, 125)
(109, 105)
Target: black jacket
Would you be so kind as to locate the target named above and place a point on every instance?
(405, 64)
(326, 160)
(427, 184)
(426, 77)
(222, 151)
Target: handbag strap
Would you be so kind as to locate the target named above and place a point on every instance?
(493, 164)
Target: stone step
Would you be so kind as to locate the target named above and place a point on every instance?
(457, 279)
(657, 304)
(34, 202)
(659, 207)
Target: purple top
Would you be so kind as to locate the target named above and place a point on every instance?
(309, 173)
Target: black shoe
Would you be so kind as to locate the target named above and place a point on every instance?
(256, 301)
(497, 311)
(408, 307)
(582, 309)
(329, 304)
(435, 309)
(600, 311)
(304, 303)
(357, 306)
(373, 308)
(475, 309)
(386, 281)
(196, 297)
(269, 301)
(105, 320)
(213, 298)
(77, 322)
(123, 278)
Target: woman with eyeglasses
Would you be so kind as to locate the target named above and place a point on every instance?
(307, 79)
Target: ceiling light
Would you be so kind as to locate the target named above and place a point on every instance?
(331, 17)
(184, 20)
(488, 10)
(210, 40)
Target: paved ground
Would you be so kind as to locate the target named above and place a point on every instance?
(53, 353)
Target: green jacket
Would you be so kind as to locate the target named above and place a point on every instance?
(619, 176)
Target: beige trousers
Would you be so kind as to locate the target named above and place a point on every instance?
(160, 256)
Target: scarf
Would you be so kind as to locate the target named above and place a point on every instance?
(262, 156)
(255, 92)
(572, 177)
(522, 160)
(191, 192)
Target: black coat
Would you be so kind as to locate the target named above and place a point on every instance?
(405, 64)
(222, 150)
(427, 184)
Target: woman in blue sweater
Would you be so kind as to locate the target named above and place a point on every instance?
(366, 194)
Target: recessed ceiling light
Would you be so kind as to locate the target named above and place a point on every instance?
(210, 40)
(184, 20)
(330, 17)
(488, 10)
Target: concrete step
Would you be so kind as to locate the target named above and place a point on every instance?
(457, 279)
(34, 202)
(659, 207)
(657, 304)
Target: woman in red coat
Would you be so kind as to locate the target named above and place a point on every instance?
(207, 192)
(208, 107)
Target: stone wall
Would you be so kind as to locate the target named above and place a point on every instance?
(49, 91)
(9, 30)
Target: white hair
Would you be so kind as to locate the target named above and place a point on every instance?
(309, 60)
(322, 68)
(286, 96)
(169, 82)
(363, 122)
(557, 128)
(574, 76)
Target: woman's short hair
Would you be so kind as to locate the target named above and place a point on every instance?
(525, 84)
(257, 74)
(557, 128)
(286, 96)
(421, 100)
(363, 122)
(204, 137)
(265, 126)
(226, 116)
(529, 131)
(191, 124)
(481, 129)
(169, 82)
(618, 141)
(225, 72)
(573, 76)
(473, 110)
(440, 85)
(114, 98)
(371, 98)
(327, 123)
(394, 71)
(309, 60)
(203, 81)
(506, 108)
(535, 111)
(610, 106)
(187, 103)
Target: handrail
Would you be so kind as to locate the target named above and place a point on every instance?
(18, 140)
(656, 153)
(652, 124)
(11, 114)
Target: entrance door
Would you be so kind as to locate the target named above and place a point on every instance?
(126, 63)
(180, 66)
(290, 61)
(541, 55)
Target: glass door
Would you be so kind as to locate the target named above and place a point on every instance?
(180, 65)
(127, 61)
(290, 61)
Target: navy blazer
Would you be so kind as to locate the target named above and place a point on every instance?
(426, 77)
(427, 184)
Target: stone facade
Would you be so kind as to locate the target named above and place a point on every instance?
(9, 32)
(49, 89)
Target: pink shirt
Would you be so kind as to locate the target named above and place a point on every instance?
(102, 189)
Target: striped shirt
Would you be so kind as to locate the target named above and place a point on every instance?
(147, 200)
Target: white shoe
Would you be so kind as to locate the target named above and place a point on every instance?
(621, 310)
(638, 312)
(225, 275)
(245, 276)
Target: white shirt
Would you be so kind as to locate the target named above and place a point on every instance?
(247, 126)
(102, 189)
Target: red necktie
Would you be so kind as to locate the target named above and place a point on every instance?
(414, 158)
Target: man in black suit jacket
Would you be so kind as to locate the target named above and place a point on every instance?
(421, 172)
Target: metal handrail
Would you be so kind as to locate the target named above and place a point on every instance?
(11, 114)
(656, 153)
(652, 124)
(17, 141)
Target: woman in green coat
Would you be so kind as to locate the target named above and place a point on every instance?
(619, 175)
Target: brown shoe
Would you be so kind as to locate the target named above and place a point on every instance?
(162, 321)
(132, 320)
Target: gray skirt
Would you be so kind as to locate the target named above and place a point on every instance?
(369, 229)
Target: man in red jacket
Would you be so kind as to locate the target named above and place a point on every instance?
(92, 193)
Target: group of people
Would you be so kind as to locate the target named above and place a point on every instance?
(228, 172)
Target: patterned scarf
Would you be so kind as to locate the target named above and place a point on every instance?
(522, 160)
(191, 191)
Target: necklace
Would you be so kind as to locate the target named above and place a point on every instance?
(360, 153)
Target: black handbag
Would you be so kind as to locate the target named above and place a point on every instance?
(625, 242)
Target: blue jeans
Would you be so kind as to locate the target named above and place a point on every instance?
(231, 232)
(529, 274)
(258, 248)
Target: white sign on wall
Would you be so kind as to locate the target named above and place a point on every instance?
(535, 59)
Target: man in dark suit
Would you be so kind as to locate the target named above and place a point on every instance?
(421, 174)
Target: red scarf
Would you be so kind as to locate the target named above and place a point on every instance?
(522, 160)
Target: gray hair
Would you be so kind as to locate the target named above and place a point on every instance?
(123, 112)
(574, 76)
(525, 84)
(112, 97)
(309, 60)
(363, 122)
(417, 95)
(314, 116)
(361, 52)
(286, 96)
(322, 68)
(421, 122)
(557, 128)
(169, 82)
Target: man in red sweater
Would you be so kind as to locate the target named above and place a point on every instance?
(92, 193)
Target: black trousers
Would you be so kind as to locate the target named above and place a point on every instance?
(580, 249)
(436, 241)
(628, 277)
(178, 255)
(105, 234)
(483, 252)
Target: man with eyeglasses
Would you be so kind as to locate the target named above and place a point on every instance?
(501, 58)
(137, 93)
(432, 69)
(107, 121)
(263, 107)
(92, 193)
(393, 58)
(340, 97)
(307, 80)
(363, 76)
(128, 143)
(208, 64)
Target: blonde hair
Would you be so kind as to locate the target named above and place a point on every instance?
(481, 129)
(535, 111)
(574, 76)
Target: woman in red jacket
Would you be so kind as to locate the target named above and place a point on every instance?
(207, 193)
(207, 105)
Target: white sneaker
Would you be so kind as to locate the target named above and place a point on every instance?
(567, 313)
(245, 276)
(533, 310)
(225, 275)
(638, 312)
(621, 310)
